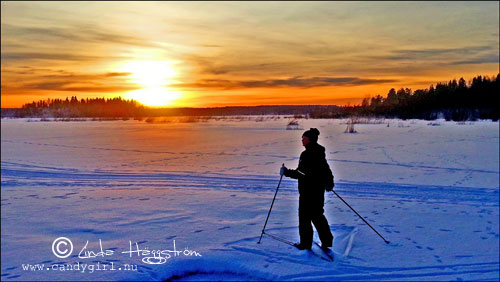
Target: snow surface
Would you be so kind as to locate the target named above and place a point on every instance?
(432, 191)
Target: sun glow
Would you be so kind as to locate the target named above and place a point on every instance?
(154, 77)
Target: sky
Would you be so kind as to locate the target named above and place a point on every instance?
(206, 54)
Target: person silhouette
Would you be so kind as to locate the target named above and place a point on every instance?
(309, 174)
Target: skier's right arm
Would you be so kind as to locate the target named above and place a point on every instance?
(299, 172)
(293, 173)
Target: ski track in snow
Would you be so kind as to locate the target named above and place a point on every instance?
(19, 176)
(16, 174)
(437, 232)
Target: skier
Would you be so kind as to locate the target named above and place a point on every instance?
(311, 173)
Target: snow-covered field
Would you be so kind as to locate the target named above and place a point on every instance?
(206, 187)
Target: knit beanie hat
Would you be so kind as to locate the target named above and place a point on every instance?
(312, 134)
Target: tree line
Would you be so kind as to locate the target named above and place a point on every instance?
(93, 107)
(118, 107)
(453, 100)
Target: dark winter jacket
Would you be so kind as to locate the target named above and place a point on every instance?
(309, 172)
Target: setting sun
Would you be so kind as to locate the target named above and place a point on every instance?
(154, 77)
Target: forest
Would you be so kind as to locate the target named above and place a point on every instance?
(454, 100)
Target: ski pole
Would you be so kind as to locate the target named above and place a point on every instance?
(387, 242)
(269, 213)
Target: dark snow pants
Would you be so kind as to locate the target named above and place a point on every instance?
(311, 210)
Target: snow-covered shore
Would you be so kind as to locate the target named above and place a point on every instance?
(431, 190)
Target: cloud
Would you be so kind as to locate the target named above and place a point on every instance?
(268, 68)
(114, 74)
(74, 35)
(220, 65)
(210, 45)
(113, 37)
(421, 54)
(58, 80)
(21, 56)
(417, 62)
(493, 58)
(71, 86)
(10, 30)
(299, 82)
(100, 89)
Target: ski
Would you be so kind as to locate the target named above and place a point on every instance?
(326, 251)
(326, 257)
(321, 256)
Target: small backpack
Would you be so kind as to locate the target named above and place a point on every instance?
(327, 178)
